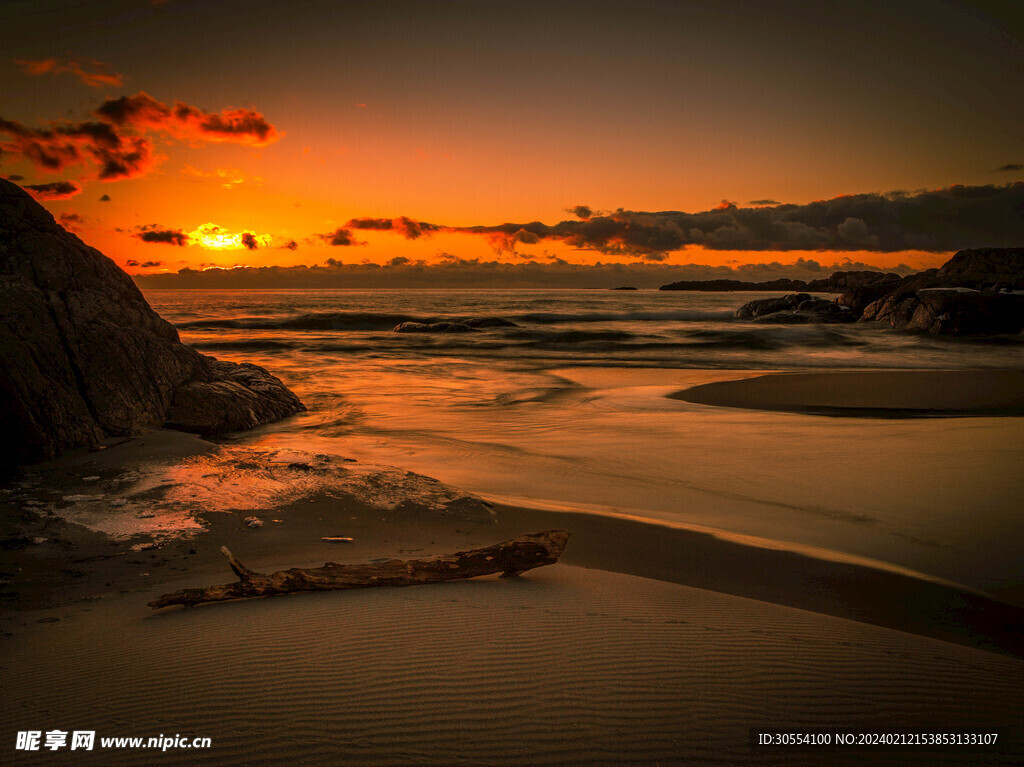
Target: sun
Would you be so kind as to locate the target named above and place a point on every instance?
(215, 237)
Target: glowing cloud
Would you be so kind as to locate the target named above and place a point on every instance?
(95, 74)
(183, 121)
(229, 178)
(68, 144)
(115, 145)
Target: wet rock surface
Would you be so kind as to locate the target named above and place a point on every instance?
(83, 356)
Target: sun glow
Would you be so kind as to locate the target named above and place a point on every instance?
(214, 237)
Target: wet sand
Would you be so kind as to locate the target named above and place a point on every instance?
(646, 644)
(877, 393)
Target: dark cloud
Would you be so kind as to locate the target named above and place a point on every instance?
(68, 144)
(95, 74)
(290, 245)
(249, 241)
(581, 211)
(143, 112)
(105, 198)
(1008, 167)
(144, 264)
(15, 177)
(407, 227)
(340, 237)
(764, 202)
(935, 221)
(116, 145)
(153, 233)
(56, 190)
(70, 221)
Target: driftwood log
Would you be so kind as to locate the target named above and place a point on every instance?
(509, 558)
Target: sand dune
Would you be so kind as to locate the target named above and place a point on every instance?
(564, 666)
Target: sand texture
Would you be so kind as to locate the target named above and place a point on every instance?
(564, 666)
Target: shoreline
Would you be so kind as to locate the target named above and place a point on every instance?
(75, 566)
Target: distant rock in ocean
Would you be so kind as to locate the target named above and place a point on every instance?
(458, 326)
(624, 287)
(968, 295)
(721, 286)
(83, 357)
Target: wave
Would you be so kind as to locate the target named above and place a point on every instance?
(771, 338)
(679, 315)
(313, 321)
(388, 320)
(244, 344)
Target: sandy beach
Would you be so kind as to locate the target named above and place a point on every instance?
(648, 643)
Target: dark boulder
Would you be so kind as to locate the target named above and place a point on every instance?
(83, 356)
(981, 269)
(858, 297)
(236, 398)
(795, 308)
(951, 312)
(961, 298)
(841, 282)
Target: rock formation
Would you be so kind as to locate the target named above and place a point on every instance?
(795, 308)
(721, 286)
(962, 297)
(950, 312)
(83, 357)
(968, 295)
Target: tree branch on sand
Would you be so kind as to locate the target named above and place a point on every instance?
(508, 558)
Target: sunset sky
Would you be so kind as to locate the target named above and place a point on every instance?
(223, 133)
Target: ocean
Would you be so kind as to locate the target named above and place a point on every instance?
(568, 410)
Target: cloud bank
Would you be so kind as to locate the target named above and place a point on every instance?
(933, 221)
(455, 272)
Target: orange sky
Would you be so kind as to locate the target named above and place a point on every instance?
(476, 115)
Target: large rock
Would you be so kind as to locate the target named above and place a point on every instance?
(840, 282)
(795, 308)
(982, 269)
(84, 357)
(962, 297)
(951, 312)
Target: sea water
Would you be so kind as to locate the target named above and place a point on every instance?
(569, 409)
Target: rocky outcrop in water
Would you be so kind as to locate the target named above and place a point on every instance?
(968, 295)
(963, 297)
(795, 308)
(83, 357)
(950, 312)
